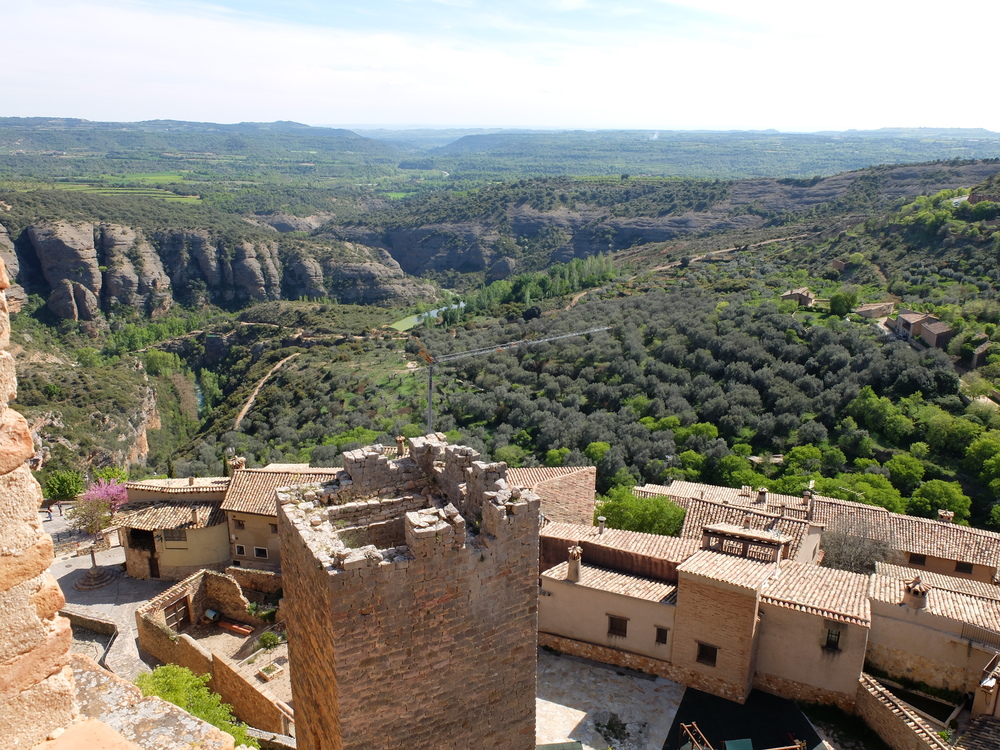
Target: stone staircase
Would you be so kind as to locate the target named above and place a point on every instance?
(895, 722)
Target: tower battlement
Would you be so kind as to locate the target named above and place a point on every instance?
(410, 585)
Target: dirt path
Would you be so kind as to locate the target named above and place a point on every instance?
(576, 298)
(717, 253)
(249, 403)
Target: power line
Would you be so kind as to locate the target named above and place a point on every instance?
(431, 360)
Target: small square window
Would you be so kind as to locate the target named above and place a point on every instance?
(963, 567)
(260, 552)
(241, 550)
(916, 559)
(661, 635)
(240, 525)
(175, 535)
(617, 626)
(707, 654)
(832, 640)
(274, 528)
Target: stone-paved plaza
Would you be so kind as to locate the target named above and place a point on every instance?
(575, 694)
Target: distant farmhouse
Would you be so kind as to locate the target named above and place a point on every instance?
(801, 296)
(909, 324)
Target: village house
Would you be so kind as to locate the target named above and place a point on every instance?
(911, 324)
(251, 510)
(171, 528)
(801, 296)
(875, 309)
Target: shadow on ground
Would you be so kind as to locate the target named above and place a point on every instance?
(766, 720)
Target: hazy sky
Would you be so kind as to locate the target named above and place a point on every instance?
(713, 64)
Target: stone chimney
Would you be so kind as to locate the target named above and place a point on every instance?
(762, 495)
(946, 516)
(573, 566)
(400, 446)
(190, 481)
(194, 516)
(915, 593)
(747, 520)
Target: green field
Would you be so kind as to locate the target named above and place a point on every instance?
(143, 192)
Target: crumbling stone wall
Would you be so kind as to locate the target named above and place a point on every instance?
(898, 726)
(264, 581)
(36, 682)
(426, 644)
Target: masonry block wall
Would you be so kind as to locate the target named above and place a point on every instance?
(426, 644)
(721, 615)
(36, 682)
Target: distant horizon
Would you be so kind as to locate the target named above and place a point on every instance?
(715, 65)
(540, 128)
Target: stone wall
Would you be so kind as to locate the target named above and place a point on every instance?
(922, 667)
(425, 645)
(264, 581)
(251, 704)
(720, 615)
(798, 691)
(896, 724)
(36, 682)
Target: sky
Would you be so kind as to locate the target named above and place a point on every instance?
(794, 66)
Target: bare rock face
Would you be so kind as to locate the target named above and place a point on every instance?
(68, 258)
(135, 275)
(370, 282)
(288, 223)
(502, 269)
(16, 296)
(304, 278)
(254, 272)
(73, 301)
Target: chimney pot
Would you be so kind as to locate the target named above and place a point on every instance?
(915, 593)
(946, 516)
(747, 519)
(600, 524)
(762, 495)
(194, 516)
(573, 566)
(190, 481)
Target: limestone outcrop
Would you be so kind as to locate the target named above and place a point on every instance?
(92, 268)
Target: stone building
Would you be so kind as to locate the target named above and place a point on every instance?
(251, 509)
(801, 296)
(171, 541)
(910, 324)
(411, 601)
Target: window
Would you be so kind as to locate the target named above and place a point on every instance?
(260, 552)
(661, 636)
(241, 550)
(707, 654)
(274, 528)
(240, 525)
(961, 567)
(175, 535)
(617, 626)
(916, 559)
(832, 639)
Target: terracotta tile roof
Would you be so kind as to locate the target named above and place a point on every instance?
(682, 492)
(614, 582)
(847, 516)
(938, 326)
(172, 516)
(912, 317)
(253, 490)
(948, 540)
(529, 477)
(702, 513)
(984, 613)
(718, 566)
(669, 548)
(834, 594)
(180, 486)
(567, 493)
(936, 580)
(983, 734)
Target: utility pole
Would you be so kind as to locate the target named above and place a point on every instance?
(431, 360)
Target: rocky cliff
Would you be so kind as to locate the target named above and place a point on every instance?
(89, 269)
(15, 295)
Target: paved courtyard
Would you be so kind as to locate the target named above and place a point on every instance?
(116, 602)
(576, 694)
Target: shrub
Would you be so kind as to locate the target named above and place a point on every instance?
(63, 485)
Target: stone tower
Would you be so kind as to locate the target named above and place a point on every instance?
(411, 603)
(36, 683)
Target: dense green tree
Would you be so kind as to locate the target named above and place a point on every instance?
(182, 687)
(63, 485)
(655, 515)
(905, 472)
(937, 494)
